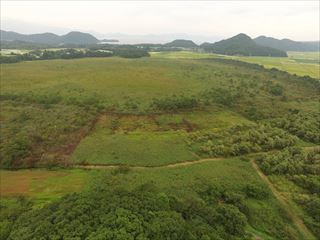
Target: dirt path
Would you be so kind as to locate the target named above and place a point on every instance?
(283, 201)
(295, 218)
(171, 165)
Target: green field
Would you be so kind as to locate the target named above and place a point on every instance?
(133, 149)
(149, 141)
(42, 186)
(300, 63)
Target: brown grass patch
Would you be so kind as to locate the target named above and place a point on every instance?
(15, 183)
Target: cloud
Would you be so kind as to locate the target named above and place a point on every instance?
(292, 19)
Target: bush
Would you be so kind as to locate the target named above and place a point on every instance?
(108, 212)
(240, 140)
(256, 191)
(16, 149)
(302, 124)
(174, 103)
(276, 89)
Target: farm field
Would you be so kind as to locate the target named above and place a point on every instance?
(183, 129)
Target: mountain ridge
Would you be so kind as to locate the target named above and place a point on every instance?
(241, 44)
(73, 37)
(286, 44)
(183, 43)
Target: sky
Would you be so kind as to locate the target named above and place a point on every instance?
(297, 20)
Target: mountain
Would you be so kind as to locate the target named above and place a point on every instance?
(50, 38)
(47, 38)
(181, 43)
(78, 38)
(241, 44)
(287, 44)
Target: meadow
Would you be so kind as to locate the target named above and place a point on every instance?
(40, 185)
(143, 124)
(155, 140)
(300, 63)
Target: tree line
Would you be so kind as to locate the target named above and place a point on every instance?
(71, 53)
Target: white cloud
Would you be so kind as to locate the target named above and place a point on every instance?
(298, 20)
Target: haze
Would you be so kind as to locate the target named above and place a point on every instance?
(200, 20)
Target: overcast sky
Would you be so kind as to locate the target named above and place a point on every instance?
(298, 20)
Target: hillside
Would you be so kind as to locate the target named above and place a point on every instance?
(242, 44)
(78, 38)
(49, 38)
(287, 44)
(181, 43)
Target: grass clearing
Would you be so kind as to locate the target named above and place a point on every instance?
(134, 149)
(300, 63)
(41, 186)
(154, 140)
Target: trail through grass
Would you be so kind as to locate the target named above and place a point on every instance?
(295, 218)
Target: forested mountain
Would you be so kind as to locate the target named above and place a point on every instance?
(182, 43)
(50, 38)
(287, 44)
(242, 44)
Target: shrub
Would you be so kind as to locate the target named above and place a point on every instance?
(256, 191)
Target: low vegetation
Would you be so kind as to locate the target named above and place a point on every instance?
(171, 141)
(71, 53)
(302, 124)
(240, 140)
(301, 169)
(192, 202)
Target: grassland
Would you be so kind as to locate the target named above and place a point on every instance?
(94, 80)
(149, 140)
(41, 186)
(133, 149)
(300, 63)
(55, 102)
(137, 112)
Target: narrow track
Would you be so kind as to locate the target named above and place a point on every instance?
(171, 165)
(297, 221)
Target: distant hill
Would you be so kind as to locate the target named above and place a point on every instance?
(181, 43)
(50, 38)
(287, 44)
(241, 44)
